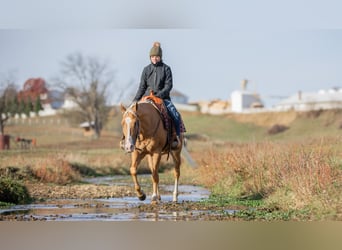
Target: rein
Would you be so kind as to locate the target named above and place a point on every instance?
(138, 125)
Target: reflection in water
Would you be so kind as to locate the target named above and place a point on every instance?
(111, 209)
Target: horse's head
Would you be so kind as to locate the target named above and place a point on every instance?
(130, 127)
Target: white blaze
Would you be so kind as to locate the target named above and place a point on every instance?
(129, 140)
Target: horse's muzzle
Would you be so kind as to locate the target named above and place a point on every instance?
(129, 149)
(129, 145)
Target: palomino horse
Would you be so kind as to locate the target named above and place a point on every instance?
(145, 135)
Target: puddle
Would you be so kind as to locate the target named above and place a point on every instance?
(111, 209)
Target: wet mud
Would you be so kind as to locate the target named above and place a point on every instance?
(99, 199)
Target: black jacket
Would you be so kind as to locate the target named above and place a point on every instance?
(157, 78)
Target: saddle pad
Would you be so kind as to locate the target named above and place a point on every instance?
(158, 103)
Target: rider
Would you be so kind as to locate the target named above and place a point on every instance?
(157, 77)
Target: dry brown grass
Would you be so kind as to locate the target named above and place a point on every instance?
(65, 166)
(56, 170)
(266, 119)
(288, 176)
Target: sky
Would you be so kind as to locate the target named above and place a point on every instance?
(211, 46)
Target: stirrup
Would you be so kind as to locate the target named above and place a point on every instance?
(176, 143)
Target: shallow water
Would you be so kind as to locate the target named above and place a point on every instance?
(111, 209)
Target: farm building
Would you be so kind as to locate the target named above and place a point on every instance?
(242, 100)
(181, 101)
(245, 100)
(88, 128)
(178, 97)
(323, 99)
(214, 107)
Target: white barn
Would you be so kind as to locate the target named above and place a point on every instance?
(245, 100)
(323, 99)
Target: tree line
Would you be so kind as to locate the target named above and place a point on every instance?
(11, 105)
(87, 82)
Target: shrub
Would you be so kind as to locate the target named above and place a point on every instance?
(12, 191)
(277, 128)
(56, 171)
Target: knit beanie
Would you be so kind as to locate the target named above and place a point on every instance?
(156, 50)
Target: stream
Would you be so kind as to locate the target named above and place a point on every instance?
(109, 209)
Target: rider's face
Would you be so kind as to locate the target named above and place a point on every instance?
(155, 59)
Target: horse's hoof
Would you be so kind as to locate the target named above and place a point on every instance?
(175, 198)
(154, 202)
(156, 198)
(142, 197)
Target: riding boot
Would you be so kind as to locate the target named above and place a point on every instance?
(175, 143)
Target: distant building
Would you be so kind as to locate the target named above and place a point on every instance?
(215, 107)
(181, 101)
(240, 101)
(178, 97)
(323, 99)
(243, 100)
(69, 103)
(56, 98)
(88, 128)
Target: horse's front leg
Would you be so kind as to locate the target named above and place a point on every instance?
(154, 161)
(136, 159)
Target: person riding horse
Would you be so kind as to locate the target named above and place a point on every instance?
(144, 135)
(156, 78)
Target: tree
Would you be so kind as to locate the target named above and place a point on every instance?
(14, 105)
(29, 98)
(86, 82)
(38, 106)
(21, 107)
(7, 93)
(28, 107)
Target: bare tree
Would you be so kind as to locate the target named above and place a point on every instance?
(126, 91)
(8, 94)
(86, 81)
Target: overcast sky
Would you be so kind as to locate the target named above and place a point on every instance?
(211, 46)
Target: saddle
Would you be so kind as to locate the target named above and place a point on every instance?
(152, 97)
(158, 103)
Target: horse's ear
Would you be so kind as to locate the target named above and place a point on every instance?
(123, 108)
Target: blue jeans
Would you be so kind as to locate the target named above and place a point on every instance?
(174, 115)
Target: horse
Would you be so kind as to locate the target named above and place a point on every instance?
(145, 135)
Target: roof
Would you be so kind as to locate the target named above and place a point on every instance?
(175, 92)
(86, 124)
(332, 95)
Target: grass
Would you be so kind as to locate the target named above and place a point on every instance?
(223, 200)
(223, 128)
(295, 174)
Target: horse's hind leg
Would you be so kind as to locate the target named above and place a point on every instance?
(136, 159)
(176, 155)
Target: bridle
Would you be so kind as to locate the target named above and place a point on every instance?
(136, 129)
